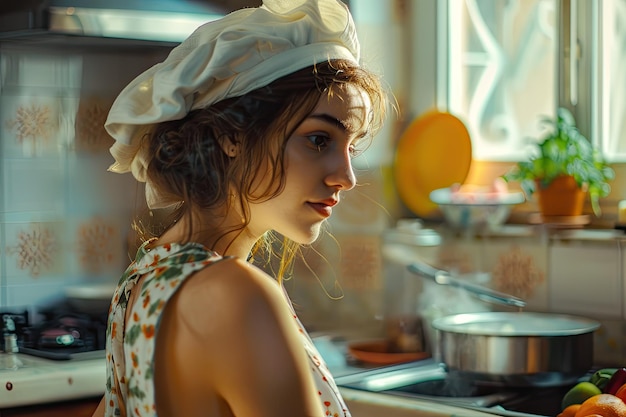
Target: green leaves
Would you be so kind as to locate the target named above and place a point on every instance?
(565, 151)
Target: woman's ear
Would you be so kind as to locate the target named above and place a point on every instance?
(229, 147)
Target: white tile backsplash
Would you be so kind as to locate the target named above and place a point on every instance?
(63, 217)
(33, 295)
(33, 187)
(39, 70)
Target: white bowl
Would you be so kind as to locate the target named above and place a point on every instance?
(476, 210)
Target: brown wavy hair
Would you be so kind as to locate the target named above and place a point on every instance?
(189, 165)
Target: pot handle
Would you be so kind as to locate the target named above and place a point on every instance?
(444, 278)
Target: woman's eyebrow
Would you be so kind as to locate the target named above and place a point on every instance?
(330, 119)
(338, 123)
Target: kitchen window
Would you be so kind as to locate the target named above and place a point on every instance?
(503, 64)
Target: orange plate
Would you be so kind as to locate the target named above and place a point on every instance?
(375, 352)
(434, 152)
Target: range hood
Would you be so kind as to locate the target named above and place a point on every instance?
(169, 21)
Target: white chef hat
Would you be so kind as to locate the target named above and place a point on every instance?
(245, 50)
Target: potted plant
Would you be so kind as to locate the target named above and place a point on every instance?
(565, 160)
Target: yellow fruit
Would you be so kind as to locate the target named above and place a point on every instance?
(605, 405)
(579, 394)
(570, 411)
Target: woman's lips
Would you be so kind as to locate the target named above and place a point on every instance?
(324, 209)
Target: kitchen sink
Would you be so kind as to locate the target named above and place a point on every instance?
(425, 380)
(429, 380)
(393, 376)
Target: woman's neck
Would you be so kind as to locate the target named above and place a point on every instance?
(215, 233)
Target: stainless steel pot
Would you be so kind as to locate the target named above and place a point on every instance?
(515, 348)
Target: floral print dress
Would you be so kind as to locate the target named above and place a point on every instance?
(130, 350)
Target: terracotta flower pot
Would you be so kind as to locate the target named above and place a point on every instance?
(563, 197)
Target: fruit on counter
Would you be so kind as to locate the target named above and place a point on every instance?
(617, 380)
(601, 377)
(579, 393)
(569, 411)
(605, 405)
(621, 393)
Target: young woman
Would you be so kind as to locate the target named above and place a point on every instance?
(246, 129)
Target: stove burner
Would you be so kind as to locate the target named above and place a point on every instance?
(65, 334)
(65, 331)
(60, 335)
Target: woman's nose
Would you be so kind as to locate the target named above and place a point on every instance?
(342, 175)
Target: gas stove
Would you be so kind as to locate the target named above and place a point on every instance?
(58, 357)
(60, 334)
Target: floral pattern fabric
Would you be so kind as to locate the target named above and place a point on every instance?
(130, 346)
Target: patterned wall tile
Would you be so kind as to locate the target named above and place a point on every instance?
(34, 251)
(360, 264)
(90, 135)
(97, 248)
(38, 102)
(460, 256)
(518, 266)
(29, 125)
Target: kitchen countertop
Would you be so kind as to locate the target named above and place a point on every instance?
(371, 404)
(28, 380)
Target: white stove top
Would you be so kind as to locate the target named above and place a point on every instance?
(26, 379)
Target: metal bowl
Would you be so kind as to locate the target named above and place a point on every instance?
(489, 211)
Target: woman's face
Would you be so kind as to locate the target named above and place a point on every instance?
(318, 166)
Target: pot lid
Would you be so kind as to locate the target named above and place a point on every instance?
(515, 324)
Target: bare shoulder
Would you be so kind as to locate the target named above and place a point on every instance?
(230, 323)
(230, 280)
(229, 293)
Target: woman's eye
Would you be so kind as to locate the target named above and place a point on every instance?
(319, 142)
